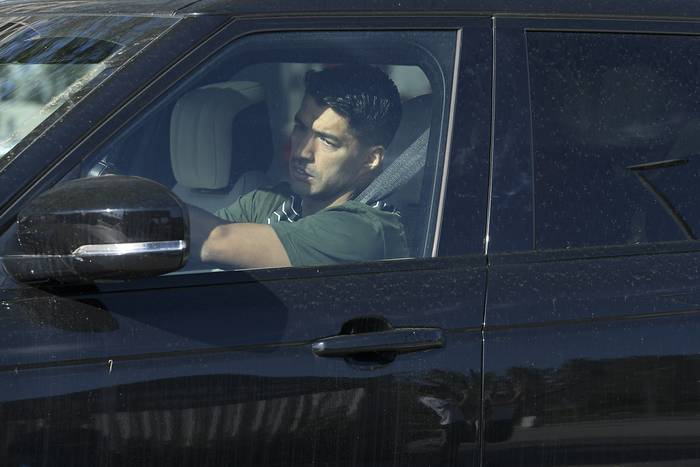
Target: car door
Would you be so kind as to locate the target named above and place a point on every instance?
(211, 367)
(591, 354)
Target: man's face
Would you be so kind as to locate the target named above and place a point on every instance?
(327, 160)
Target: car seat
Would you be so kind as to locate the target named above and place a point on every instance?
(220, 143)
(401, 181)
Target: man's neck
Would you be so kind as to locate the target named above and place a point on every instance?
(311, 206)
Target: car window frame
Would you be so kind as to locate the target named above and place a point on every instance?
(231, 30)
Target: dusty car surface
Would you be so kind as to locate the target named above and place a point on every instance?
(544, 169)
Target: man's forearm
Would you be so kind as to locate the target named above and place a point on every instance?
(245, 245)
(214, 240)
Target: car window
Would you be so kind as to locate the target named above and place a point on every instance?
(616, 154)
(232, 139)
(48, 63)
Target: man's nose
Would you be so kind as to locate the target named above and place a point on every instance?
(306, 149)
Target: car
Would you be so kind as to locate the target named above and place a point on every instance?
(545, 173)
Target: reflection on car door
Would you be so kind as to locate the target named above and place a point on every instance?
(189, 369)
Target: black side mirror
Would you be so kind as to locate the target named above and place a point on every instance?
(112, 227)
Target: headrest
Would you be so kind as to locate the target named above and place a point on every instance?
(415, 119)
(201, 132)
(406, 154)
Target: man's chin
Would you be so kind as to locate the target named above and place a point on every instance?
(300, 188)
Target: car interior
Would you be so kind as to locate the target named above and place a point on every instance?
(226, 133)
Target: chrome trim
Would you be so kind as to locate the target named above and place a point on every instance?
(118, 249)
(448, 144)
(492, 138)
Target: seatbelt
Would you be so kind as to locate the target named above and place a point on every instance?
(408, 164)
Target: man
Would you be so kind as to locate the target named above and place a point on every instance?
(347, 118)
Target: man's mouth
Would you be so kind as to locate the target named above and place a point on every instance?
(299, 171)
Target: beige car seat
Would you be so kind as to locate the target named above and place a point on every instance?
(211, 137)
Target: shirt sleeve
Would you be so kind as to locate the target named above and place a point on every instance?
(242, 210)
(330, 237)
(254, 207)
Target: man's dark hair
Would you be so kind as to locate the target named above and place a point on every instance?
(364, 95)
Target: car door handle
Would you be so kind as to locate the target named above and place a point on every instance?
(400, 340)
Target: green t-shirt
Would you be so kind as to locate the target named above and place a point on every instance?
(350, 232)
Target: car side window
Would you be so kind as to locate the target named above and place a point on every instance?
(616, 154)
(48, 64)
(240, 139)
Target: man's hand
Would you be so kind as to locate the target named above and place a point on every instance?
(239, 245)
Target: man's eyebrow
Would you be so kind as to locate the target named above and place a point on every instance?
(329, 136)
(333, 138)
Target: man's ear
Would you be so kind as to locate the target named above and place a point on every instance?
(375, 157)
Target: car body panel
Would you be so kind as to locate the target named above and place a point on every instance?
(186, 354)
(599, 8)
(589, 352)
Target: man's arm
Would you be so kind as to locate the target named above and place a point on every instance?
(240, 245)
(245, 245)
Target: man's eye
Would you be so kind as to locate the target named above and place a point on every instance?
(328, 142)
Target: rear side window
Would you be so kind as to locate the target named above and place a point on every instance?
(616, 138)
